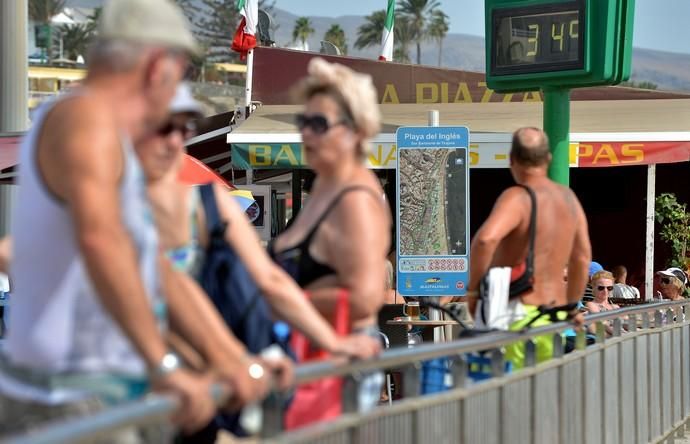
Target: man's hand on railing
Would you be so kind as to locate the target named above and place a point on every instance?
(357, 346)
(250, 381)
(196, 405)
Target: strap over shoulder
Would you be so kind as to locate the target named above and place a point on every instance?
(214, 225)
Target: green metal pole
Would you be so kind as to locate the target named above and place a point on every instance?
(557, 127)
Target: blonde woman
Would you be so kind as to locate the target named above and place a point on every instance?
(602, 289)
(338, 243)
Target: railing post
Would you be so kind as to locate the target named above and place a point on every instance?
(459, 371)
(273, 408)
(658, 318)
(645, 320)
(497, 363)
(350, 390)
(581, 339)
(411, 381)
(600, 332)
(632, 323)
(530, 353)
(557, 345)
(617, 327)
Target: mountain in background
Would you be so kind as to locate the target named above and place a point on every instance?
(669, 71)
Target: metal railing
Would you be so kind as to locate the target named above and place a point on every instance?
(631, 387)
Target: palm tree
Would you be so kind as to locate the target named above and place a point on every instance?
(405, 33)
(371, 32)
(75, 39)
(438, 29)
(302, 30)
(419, 13)
(336, 35)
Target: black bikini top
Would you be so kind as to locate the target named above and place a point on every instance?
(297, 261)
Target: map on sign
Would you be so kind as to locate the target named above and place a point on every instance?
(432, 219)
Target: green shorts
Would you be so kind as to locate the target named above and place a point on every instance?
(515, 352)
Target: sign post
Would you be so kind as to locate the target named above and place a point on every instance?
(433, 211)
(557, 45)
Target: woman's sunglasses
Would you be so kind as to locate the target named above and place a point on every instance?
(666, 281)
(317, 123)
(187, 129)
(602, 288)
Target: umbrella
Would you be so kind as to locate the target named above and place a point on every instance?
(195, 172)
(247, 202)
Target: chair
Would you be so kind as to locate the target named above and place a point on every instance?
(397, 335)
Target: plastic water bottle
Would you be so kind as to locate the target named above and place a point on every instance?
(414, 338)
(252, 417)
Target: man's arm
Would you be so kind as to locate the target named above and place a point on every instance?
(83, 165)
(502, 220)
(5, 254)
(580, 256)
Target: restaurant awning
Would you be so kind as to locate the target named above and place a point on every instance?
(603, 132)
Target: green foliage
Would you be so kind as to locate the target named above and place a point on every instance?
(420, 13)
(75, 40)
(371, 32)
(302, 30)
(438, 29)
(674, 220)
(215, 27)
(336, 35)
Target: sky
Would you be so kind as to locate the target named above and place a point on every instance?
(659, 24)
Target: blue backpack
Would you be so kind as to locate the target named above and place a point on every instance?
(238, 300)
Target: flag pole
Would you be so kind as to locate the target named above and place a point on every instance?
(248, 84)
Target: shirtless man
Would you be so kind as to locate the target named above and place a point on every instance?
(87, 326)
(561, 232)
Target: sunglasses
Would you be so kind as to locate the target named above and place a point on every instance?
(666, 281)
(187, 129)
(317, 123)
(602, 288)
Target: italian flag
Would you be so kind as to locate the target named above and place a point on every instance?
(245, 36)
(387, 38)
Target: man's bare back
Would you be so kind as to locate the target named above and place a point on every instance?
(558, 217)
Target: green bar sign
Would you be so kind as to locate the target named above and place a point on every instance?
(268, 155)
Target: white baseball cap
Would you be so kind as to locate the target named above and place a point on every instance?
(158, 22)
(676, 273)
(184, 102)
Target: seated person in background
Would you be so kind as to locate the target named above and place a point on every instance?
(620, 287)
(602, 286)
(672, 283)
(593, 268)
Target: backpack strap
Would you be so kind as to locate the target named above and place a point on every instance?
(529, 262)
(215, 227)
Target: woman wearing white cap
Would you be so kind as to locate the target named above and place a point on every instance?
(180, 220)
(672, 283)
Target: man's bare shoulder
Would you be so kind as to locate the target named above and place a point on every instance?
(515, 195)
(81, 113)
(81, 124)
(570, 199)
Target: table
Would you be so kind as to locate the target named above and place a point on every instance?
(420, 322)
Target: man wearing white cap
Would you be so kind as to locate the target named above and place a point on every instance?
(88, 319)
